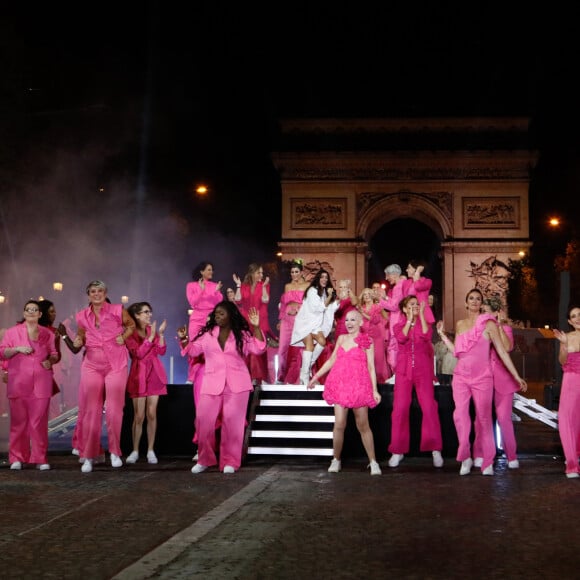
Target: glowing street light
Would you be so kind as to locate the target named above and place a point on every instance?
(124, 299)
(554, 222)
(57, 286)
(201, 189)
(2, 298)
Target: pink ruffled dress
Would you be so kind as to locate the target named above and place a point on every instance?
(348, 383)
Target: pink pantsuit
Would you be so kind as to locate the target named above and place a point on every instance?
(258, 364)
(473, 379)
(103, 375)
(414, 368)
(395, 316)
(29, 390)
(290, 303)
(225, 391)
(201, 301)
(420, 289)
(147, 376)
(569, 412)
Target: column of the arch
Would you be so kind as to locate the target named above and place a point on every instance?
(448, 298)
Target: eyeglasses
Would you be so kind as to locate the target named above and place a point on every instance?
(146, 312)
(31, 310)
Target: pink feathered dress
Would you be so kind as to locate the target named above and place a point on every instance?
(348, 383)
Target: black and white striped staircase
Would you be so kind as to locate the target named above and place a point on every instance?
(291, 420)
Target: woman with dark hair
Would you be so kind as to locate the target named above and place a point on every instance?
(569, 408)
(225, 342)
(417, 285)
(290, 303)
(473, 379)
(414, 370)
(314, 321)
(147, 377)
(47, 318)
(254, 292)
(30, 352)
(202, 295)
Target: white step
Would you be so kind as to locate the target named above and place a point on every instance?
(293, 434)
(293, 403)
(293, 388)
(290, 451)
(296, 418)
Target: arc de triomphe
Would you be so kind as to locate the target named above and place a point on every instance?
(467, 179)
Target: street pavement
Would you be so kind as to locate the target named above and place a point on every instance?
(290, 518)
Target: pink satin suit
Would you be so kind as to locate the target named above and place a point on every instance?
(29, 390)
(414, 368)
(103, 376)
(289, 305)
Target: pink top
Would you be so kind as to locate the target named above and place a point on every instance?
(224, 367)
(396, 294)
(26, 375)
(472, 350)
(415, 351)
(421, 289)
(288, 301)
(572, 363)
(104, 336)
(202, 301)
(254, 300)
(375, 326)
(144, 363)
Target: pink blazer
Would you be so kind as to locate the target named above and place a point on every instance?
(224, 367)
(144, 362)
(26, 375)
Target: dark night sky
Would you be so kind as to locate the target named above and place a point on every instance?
(145, 99)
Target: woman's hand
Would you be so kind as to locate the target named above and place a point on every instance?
(46, 364)
(219, 286)
(523, 385)
(561, 336)
(377, 397)
(440, 327)
(237, 280)
(182, 333)
(162, 328)
(254, 317)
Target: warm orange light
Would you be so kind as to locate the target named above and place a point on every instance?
(124, 299)
(279, 254)
(554, 222)
(2, 299)
(57, 286)
(521, 253)
(201, 189)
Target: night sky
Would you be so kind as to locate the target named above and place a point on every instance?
(111, 112)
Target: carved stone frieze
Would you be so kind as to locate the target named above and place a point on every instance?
(442, 199)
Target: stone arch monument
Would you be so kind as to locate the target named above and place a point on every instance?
(466, 179)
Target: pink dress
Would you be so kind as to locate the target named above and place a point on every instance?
(289, 305)
(147, 376)
(569, 412)
(348, 383)
(258, 364)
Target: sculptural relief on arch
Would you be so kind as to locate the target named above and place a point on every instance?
(465, 179)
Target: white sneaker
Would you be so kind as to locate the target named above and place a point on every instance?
(75, 452)
(116, 461)
(151, 457)
(87, 466)
(17, 465)
(375, 468)
(198, 468)
(195, 457)
(478, 462)
(514, 464)
(395, 459)
(335, 466)
(133, 457)
(516, 417)
(466, 466)
(43, 466)
(572, 475)
(229, 469)
(488, 470)
(437, 459)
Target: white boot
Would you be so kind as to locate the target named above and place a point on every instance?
(305, 368)
(316, 353)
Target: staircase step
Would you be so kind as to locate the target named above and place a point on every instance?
(295, 418)
(289, 434)
(253, 450)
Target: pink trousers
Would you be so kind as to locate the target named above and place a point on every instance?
(28, 442)
(101, 385)
(431, 439)
(232, 407)
(569, 420)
